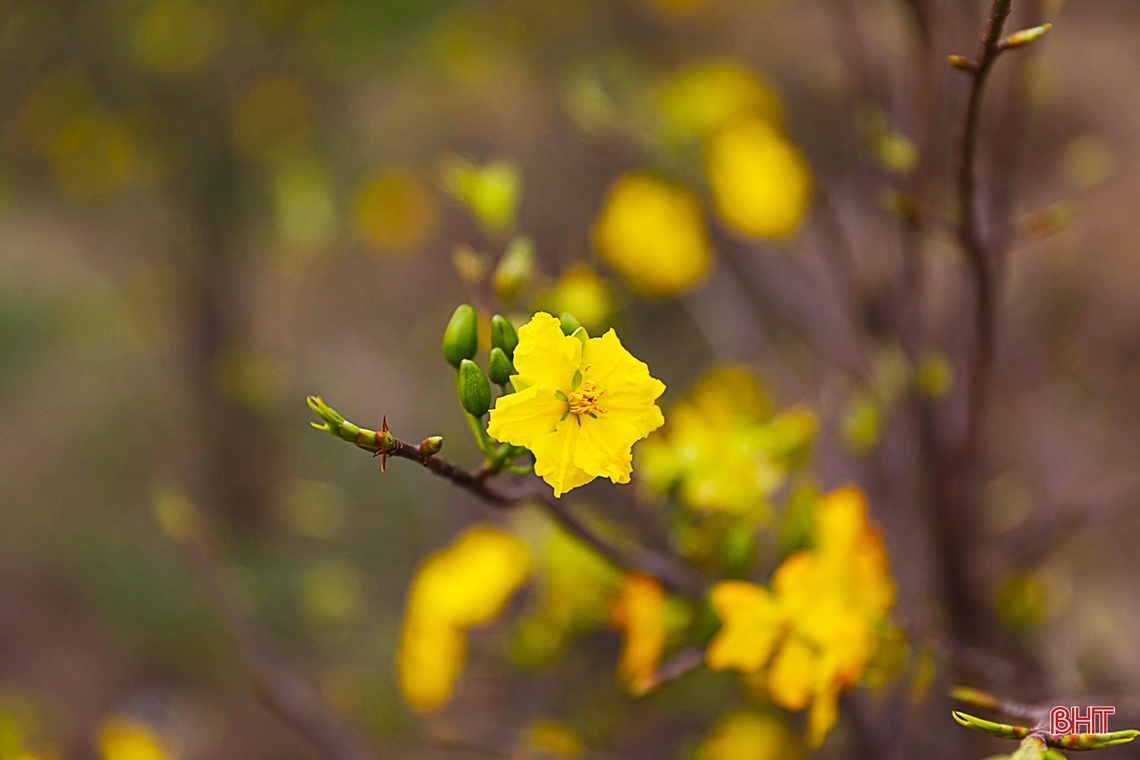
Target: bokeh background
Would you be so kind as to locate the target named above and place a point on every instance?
(211, 208)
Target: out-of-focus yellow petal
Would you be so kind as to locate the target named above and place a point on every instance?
(640, 614)
(707, 96)
(840, 518)
(760, 182)
(124, 738)
(652, 233)
(520, 418)
(582, 293)
(545, 356)
(823, 713)
(751, 623)
(748, 736)
(793, 675)
(429, 661)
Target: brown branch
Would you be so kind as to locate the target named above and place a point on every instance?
(287, 696)
(970, 237)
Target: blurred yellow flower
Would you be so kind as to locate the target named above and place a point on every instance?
(464, 585)
(395, 211)
(706, 96)
(640, 614)
(580, 292)
(723, 450)
(545, 738)
(818, 622)
(177, 37)
(332, 592)
(124, 738)
(652, 233)
(579, 406)
(273, 118)
(491, 191)
(749, 736)
(760, 183)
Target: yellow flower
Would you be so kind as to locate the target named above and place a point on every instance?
(652, 233)
(752, 621)
(580, 292)
(722, 448)
(579, 406)
(749, 736)
(395, 211)
(817, 624)
(760, 183)
(124, 738)
(705, 96)
(462, 586)
(640, 615)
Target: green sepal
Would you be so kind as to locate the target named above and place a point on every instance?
(569, 323)
(333, 423)
(1000, 730)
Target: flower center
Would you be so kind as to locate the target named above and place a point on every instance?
(585, 399)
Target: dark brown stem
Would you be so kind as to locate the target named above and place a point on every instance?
(670, 572)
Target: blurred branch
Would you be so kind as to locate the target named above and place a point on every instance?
(682, 663)
(284, 694)
(667, 570)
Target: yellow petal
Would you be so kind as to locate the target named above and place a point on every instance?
(640, 614)
(823, 714)
(430, 658)
(792, 675)
(630, 391)
(554, 457)
(521, 418)
(751, 623)
(840, 518)
(603, 448)
(546, 357)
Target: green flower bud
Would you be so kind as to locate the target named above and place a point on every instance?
(503, 335)
(499, 367)
(430, 446)
(581, 335)
(461, 338)
(474, 390)
(569, 324)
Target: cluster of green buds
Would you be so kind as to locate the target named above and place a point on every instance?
(1036, 743)
(473, 385)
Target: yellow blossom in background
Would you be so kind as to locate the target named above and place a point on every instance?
(273, 118)
(395, 211)
(491, 191)
(723, 450)
(579, 406)
(178, 37)
(640, 614)
(652, 233)
(749, 736)
(124, 738)
(332, 592)
(818, 623)
(545, 738)
(464, 585)
(706, 96)
(760, 182)
(53, 101)
(582, 293)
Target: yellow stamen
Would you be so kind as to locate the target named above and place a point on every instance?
(585, 399)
